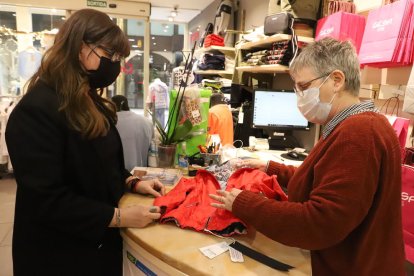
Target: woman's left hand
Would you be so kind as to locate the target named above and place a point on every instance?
(152, 187)
(226, 198)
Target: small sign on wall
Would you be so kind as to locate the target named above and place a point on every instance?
(94, 3)
(195, 36)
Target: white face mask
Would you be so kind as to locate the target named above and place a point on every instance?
(311, 106)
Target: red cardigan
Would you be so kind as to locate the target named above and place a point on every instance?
(344, 201)
(188, 204)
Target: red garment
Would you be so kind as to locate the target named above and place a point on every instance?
(213, 40)
(188, 204)
(344, 201)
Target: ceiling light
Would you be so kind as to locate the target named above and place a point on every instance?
(167, 26)
(165, 30)
(54, 10)
(14, 14)
(63, 18)
(153, 37)
(170, 18)
(165, 50)
(174, 12)
(134, 46)
(131, 39)
(154, 43)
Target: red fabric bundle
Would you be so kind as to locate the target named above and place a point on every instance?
(188, 204)
(213, 40)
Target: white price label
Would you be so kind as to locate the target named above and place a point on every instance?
(214, 250)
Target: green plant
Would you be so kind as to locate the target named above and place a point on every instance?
(177, 129)
(174, 132)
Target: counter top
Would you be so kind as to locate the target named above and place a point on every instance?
(179, 248)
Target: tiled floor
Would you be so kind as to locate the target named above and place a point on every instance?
(7, 198)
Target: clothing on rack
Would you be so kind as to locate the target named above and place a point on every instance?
(29, 62)
(159, 96)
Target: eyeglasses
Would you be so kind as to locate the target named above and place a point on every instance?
(299, 88)
(113, 56)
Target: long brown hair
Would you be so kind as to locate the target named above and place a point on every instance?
(62, 70)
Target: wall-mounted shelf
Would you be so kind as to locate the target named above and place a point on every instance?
(267, 42)
(213, 72)
(225, 50)
(269, 69)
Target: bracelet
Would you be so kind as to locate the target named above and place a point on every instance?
(133, 183)
(117, 217)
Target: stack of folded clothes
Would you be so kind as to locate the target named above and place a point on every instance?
(281, 53)
(213, 40)
(212, 62)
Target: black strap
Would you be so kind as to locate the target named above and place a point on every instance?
(260, 257)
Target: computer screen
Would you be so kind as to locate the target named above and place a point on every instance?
(277, 109)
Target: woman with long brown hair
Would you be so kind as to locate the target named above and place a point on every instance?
(67, 157)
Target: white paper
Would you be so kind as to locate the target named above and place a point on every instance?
(214, 250)
(236, 256)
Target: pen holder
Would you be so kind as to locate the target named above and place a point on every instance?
(211, 158)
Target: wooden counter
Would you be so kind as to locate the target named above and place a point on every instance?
(166, 249)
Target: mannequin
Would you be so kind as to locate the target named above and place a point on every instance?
(158, 100)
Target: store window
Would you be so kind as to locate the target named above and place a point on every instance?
(167, 41)
(166, 44)
(41, 22)
(21, 50)
(8, 19)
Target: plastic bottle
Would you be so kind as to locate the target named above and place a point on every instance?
(183, 159)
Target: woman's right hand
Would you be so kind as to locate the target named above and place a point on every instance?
(252, 163)
(139, 216)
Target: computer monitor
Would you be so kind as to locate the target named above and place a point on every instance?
(277, 110)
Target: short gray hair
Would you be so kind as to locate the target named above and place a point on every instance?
(327, 55)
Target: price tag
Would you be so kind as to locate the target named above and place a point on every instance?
(241, 118)
(214, 250)
(235, 255)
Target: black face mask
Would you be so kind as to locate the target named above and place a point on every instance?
(106, 73)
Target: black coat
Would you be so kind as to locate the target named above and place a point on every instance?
(67, 188)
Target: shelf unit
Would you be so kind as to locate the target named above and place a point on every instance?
(214, 72)
(263, 44)
(263, 69)
(268, 41)
(227, 51)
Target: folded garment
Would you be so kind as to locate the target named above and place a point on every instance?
(214, 37)
(212, 62)
(273, 62)
(254, 57)
(276, 52)
(274, 57)
(209, 44)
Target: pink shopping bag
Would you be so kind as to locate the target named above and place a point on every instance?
(342, 26)
(407, 202)
(400, 126)
(386, 33)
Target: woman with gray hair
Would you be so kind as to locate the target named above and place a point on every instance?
(344, 200)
